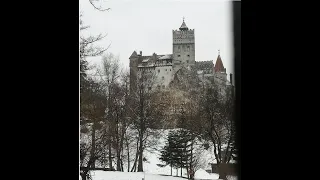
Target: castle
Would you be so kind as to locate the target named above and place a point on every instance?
(164, 67)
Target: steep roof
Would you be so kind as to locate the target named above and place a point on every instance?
(219, 65)
(134, 54)
(201, 65)
(183, 26)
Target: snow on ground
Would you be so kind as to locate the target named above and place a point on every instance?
(114, 175)
(202, 174)
(153, 171)
(109, 175)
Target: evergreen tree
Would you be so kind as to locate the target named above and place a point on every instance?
(178, 150)
(168, 151)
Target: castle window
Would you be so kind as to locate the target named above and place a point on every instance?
(162, 77)
(188, 48)
(166, 69)
(158, 70)
(187, 61)
(170, 69)
(188, 55)
(178, 55)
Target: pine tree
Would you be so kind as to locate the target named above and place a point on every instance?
(186, 141)
(178, 151)
(167, 154)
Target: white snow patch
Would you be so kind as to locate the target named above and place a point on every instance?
(167, 56)
(152, 170)
(202, 174)
(109, 175)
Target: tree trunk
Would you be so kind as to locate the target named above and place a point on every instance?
(136, 158)
(118, 149)
(187, 172)
(118, 161)
(171, 167)
(128, 154)
(191, 161)
(93, 145)
(141, 132)
(110, 157)
(140, 162)
(83, 176)
(121, 165)
(122, 148)
(222, 171)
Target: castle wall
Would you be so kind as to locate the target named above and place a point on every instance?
(164, 76)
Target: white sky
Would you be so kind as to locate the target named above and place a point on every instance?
(146, 25)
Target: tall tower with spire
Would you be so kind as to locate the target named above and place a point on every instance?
(183, 46)
(219, 70)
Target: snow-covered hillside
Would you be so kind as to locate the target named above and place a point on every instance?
(108, 175)
(151, 169)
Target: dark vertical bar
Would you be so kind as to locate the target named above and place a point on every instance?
(237, 63)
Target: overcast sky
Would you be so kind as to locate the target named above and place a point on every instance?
(146, 25)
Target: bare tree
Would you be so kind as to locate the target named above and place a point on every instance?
(95, 3)
(87, 44)
(92, 106)
(146, 113)
(218, 124)
(208, 112)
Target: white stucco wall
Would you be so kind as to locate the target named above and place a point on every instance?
(164, 75)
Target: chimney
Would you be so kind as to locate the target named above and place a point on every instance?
(231, 79)
(140, 53)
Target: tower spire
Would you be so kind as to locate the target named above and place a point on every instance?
(183, 26)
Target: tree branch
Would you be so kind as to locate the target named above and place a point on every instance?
(100, 8)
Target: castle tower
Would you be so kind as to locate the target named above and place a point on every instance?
(219, 70)
(183, 46)
(134, 58)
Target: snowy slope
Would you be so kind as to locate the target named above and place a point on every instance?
(206, 157)
(153, 171)
(108, 175)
